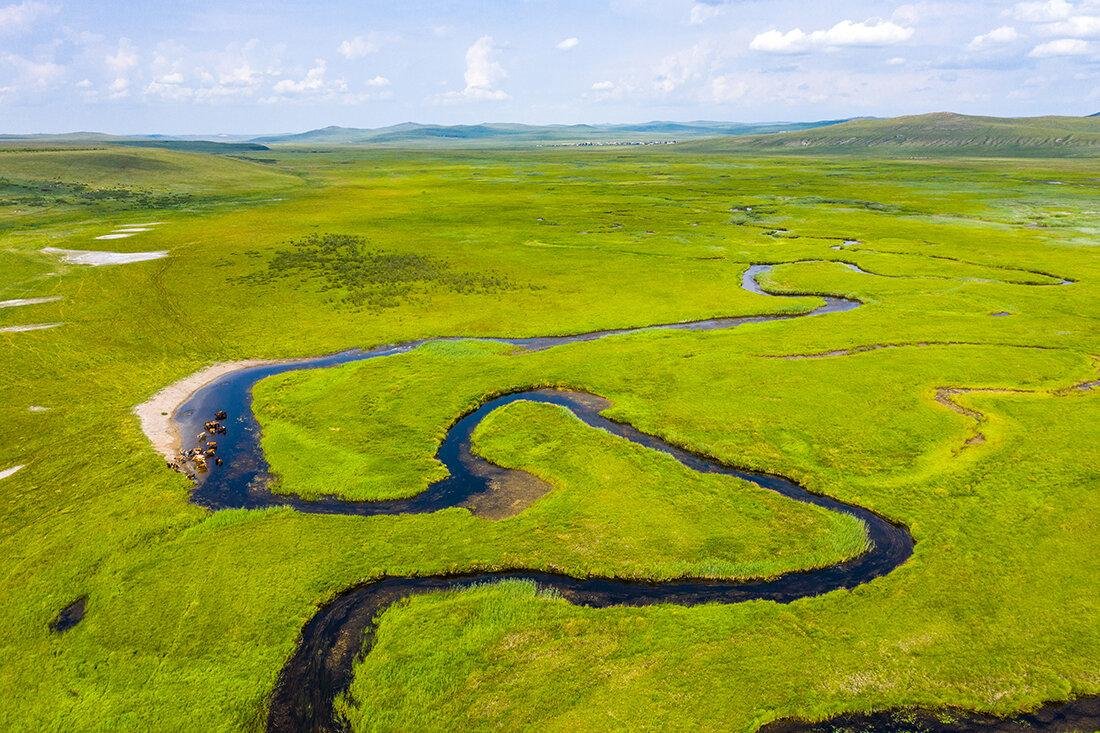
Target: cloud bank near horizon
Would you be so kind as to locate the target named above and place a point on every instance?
(207, 66)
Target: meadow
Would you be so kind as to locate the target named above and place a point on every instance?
(978, 273)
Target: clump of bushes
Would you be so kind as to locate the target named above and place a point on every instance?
(49, 193)
(369, 278)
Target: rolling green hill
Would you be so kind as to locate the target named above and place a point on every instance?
(941, 133)
(411, 132)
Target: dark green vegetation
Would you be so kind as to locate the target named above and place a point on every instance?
(367, 277)
(942, 133)
(190, 615)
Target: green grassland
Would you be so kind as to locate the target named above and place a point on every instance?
(937, 134)
(191, 614)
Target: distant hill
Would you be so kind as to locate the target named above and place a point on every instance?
(941, 133)
(195, 146)
(186, 143)
(411, 132)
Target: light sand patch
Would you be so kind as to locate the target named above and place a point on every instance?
(133, 230)
(28, 327)
(114, 236)
(155, 414)
(15, 302)
(9, 471)
(93, 258)
(144, 224)
(37, 408)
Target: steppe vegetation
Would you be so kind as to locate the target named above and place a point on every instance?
(977, 273)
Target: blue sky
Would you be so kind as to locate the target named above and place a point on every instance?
(253, 67)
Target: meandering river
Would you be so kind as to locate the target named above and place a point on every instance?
(321, 667)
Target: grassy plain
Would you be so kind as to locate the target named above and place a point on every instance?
(191, 613)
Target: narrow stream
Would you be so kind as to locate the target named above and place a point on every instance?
(322, 665)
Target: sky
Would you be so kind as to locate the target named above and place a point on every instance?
(248, 67)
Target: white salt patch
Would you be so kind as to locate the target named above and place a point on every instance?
(9, 471)
(28, 327)
(37, 408)
(27, 301)
(89, 257)
(132, 230)
(114, 236)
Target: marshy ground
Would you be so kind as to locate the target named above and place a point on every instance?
(187, 615)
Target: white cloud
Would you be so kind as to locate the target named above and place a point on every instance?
(895, 61)
(170, 87)
(237, 72)
(728, 88)
(21, 15)
(358, 47)
(701, 12)
(119, 88)
(1061, 47)
(1075, 26)
(84, 84)
(483, 73)
(1042, 11)
(239, 76)
(378, 81)
(847, 33)
(995, 37)
(313, 82)
(773, 41)
(606, 90)
(124, 58)
(844, 33)
(691, 64)
(568, 43)
(33, 73)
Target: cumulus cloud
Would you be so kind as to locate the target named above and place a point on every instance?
(119, 88)
(378, 81)
(995, 37)
(124, 58)
(703, 11)
(358, 47)
(313, 82)
(483, 74)
(1061, 47)
(844, 33)
(728, 88)
(895, 61)
(239, 71)
(31, 72)
(567, 44)
(1075, 26)
(688, 65)
(1042, 11)
(607, 90)
(14, 18)
(169, 87)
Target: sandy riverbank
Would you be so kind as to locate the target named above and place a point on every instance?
(155, 414)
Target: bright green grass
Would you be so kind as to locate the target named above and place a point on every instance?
(191, 614)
